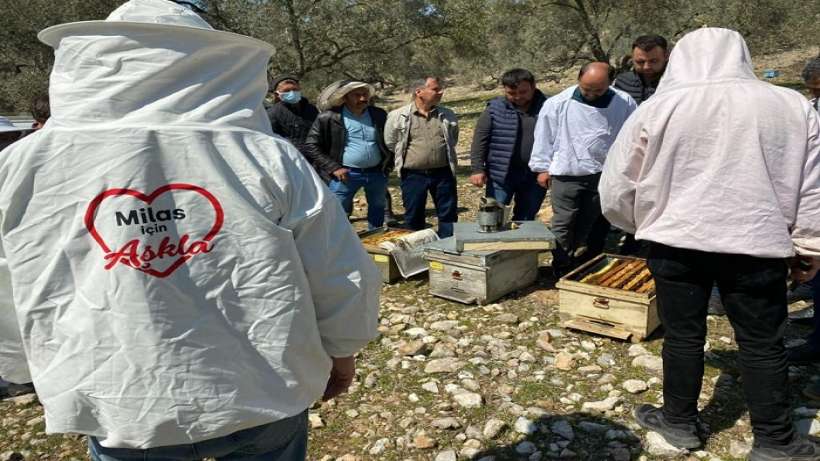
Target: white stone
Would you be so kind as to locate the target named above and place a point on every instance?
(447, 455)
(564, 361)
(380, 446)
(415, 332)
(658, 446)
(524, 426)
(650, 362)
(601, 406)
(446, 423)
(739, 449)
(468, 399)
(636, 350)
(451, 388)
(315, 421)
(635, 386)
(444, 325)
(493, 427)
(430, 386)
(448, 365)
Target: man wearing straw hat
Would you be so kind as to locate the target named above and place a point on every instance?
(185, 284)
(346, 144)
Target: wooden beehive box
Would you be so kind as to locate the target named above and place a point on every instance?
(385, 262)
(479, 277)
(620, 311)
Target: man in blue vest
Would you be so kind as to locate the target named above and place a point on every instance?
(502, 143)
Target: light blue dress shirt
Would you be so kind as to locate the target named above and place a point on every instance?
(361, 149)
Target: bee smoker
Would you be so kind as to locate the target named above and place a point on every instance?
(490, 215)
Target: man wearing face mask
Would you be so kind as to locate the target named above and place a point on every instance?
(572, 136)
(291, 115)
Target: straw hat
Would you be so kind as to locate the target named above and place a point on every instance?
(333, 94)
(145, 16)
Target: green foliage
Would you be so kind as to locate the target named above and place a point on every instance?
(390, 42)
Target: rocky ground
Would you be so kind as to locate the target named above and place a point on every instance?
(447, 381)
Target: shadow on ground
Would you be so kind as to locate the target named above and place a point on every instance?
(593, 438)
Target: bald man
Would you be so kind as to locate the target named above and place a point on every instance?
(572, 136)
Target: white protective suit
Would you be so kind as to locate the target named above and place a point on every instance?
(179, 273)
(717, 160)
(573, 138)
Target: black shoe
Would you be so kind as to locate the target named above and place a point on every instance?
(800, 449)
(801, 292)
(681, 435)
(812, 391)
(14, 390)
(805, 353)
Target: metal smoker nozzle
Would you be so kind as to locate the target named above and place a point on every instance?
(490, 215)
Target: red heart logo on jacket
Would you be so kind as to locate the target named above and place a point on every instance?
(161, 248)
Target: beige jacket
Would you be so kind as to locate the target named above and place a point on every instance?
(717, 160)
(397, 129)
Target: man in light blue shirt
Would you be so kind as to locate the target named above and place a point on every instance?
(346, 144)
(574, 131)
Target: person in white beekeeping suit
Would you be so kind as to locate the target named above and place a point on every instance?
(184, 282)
(14, 374)
(720, 173)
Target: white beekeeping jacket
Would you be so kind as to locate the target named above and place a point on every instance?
(573, 138)
(179, 274)
(13, 366)
(717, 160)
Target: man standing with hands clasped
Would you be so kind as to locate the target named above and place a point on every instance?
(423, 137)
(572, 137)
(502, 144)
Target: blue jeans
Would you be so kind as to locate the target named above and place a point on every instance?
(375, 188)
(528, 194)
(441, 184)
(283, 440)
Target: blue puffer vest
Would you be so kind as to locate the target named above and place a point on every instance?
(504, 134)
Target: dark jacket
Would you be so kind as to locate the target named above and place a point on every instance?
(632, 83)
(325, 141)
(497, 142)
(293, 121)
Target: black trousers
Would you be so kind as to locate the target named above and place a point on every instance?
(753, 291)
